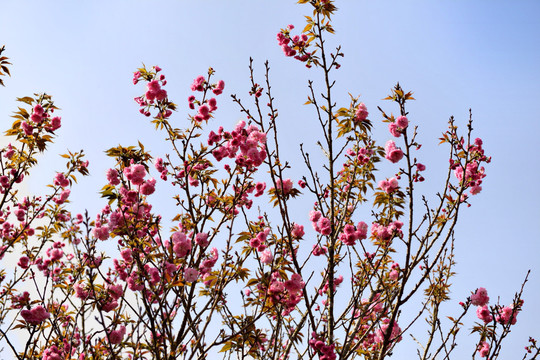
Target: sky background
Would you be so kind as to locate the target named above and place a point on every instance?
(457, 55)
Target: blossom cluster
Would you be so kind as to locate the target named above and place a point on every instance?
(296, 45)
(250, 141)
(472, 173)
(350, 233)
(41, 118)
(207, 106)
(155, 95)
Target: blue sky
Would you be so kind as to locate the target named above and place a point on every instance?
(457, 55)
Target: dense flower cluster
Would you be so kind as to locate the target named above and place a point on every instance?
(250, 141)
(472, 173)
(296, 45)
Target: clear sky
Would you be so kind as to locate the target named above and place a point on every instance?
(456, 55)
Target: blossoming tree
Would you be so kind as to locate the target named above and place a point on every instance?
(227, 279)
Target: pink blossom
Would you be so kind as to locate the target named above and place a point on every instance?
(480, 297)
(198, 84)
(484, 314)
(297, 231)
(259, 188)
(219, 87)
(27, 128)
(60, 180)
(381, 333)
(53, 353)
(483, 349)
(127, 255)
(56, 123)
(402, 122)
(319, 250)
(314, 215)
(507, 315)
(191, 275)
(9, 152)
(23, 262)
(181, 244)
(36, 315)
(36, 118)
(101, 232)
(420, 167)
(361, 230)
(38, 110)
(112, 177)
(394, 129)
(361, 113)
(63, 197)
(201, 239)
(294, 284)
(148, 187)
(285, 186)
(135, 173)
(212, 103)
(389, 186)
(109, 305)
(116, 336)
(392, 153)
(324, 226)
(267, 257)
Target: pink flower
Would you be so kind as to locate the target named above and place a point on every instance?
(507, 315)
(63, 197)
(191, 275)
(56, 123)
(480, 297)
(484, 314)
(36, 315)
(389, 186)
(61, 180)
(483, 349)
(402, 122)
(314, 216)
(361, 230)
(201, 239)
(361, 113)
(23, 262)
(324, 226)
(116, 336)
(135, 173)
(285, 186)
(101, 233)
(219, 87)
(394, 129)
(36, 118)
(27, 128)
(198, 84)
(267, 257)
(148, 187)
(53, 353)
(319, 250)
(294, 284)
(259, 188)
(381, 333)
(392, 153)
(38, 110)
(112, 177)
(420, 167)
(181, 244)
(298, 231)
(212, 103)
